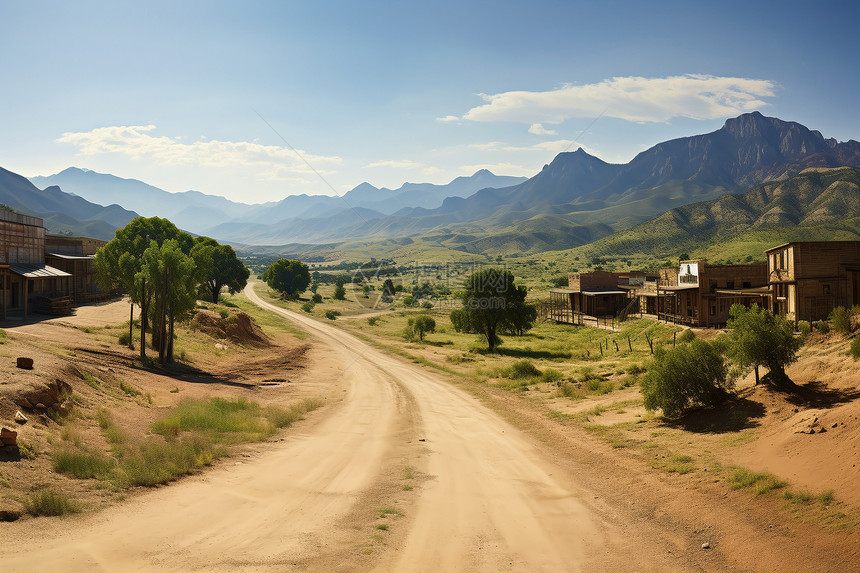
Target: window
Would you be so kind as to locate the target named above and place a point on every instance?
(713, 310)
(730, 285)
(826, 289)
(747, 284)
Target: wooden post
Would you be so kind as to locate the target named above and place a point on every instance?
(616, 345)
(25, 297)
(629, 344)
(674, 337)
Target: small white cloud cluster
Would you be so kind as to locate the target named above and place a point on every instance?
(269, 161)
(637, 99)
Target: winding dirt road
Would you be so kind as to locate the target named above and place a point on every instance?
(401, 471)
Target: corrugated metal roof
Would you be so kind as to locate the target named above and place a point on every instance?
(37, 271)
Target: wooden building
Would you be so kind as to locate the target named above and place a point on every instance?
(24, 276)
(701, 294)
(809, 279)
(74, 255)
(594, 295)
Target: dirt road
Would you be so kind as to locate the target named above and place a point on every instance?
(400, 472)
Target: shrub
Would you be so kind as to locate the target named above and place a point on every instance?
(50, 502)
(317, 298)
(427, 304)
(372, 320)
(308, 307)
(804, 328)
(409, 301)
(332, 314)
(124, 338)
(687, 336)
(840, 320)
(551, 375)
(855, 348)
(339, 292)
(822, 326)
(523, 369)
(693, 374)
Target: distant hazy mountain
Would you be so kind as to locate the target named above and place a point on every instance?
(190, 210)
(62, 212)
(381, 200)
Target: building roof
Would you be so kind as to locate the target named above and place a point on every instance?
(37, 271)
(600, 292)
(564, 290)
(782, 246)
(71, 257)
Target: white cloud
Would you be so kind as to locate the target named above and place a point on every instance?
(430, 171)
(538, 129)
(636, 99)
(448, 118)
(270, 161)
(397, 164)
(499, 169)
(488, 145)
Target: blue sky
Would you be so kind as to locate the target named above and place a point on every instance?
(182, 94)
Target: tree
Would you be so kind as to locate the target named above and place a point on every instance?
(758, 338)
(339, 292)
(421, 325)
(491, 301)
(173, 278)
(118, 264)
(225, 270)
(688, 375)
(288, 277)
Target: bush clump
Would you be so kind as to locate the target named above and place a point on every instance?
(688, 375)
(822, 326)
(840, 320)
(523, 369)
(855, 348)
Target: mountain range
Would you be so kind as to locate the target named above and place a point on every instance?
(574, 200)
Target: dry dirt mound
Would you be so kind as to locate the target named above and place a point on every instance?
(238, 327)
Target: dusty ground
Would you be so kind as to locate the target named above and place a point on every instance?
(405, 471)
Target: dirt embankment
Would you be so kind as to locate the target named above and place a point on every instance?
(78, 368)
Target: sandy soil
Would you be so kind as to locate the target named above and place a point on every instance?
(404, 471)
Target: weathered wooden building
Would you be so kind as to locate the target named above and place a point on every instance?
(809, 279)
(701, 294)
(595, 294)
(74, 255)
(24, 276)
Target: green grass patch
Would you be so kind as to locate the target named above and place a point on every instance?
(129, 390)
(50, 502)
(83, 463)
(675, 463)
(759, 482)
(92, 380)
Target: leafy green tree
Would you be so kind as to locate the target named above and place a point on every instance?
(491, 301)
(119, 262)
(688, 375)
(421, 325)
(173, 277)
(288, 277)
(225, 270)
(339, 292)
(758, 338)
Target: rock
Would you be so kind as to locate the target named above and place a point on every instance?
(41, 406)
(8, 437)
(20, 418)
(822, 430)
(25, 363)
(835, 425)
(22, 402)
(706, 545)
(10, 510)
